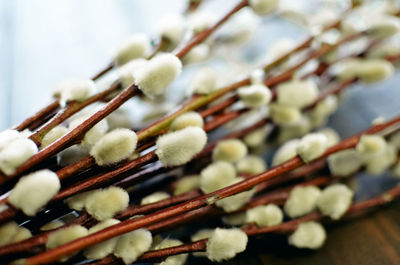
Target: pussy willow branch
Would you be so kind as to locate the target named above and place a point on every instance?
(283, 228)
(75, 134)
(248, 183)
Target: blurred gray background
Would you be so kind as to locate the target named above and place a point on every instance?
(45, 41)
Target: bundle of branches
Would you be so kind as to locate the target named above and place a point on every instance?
(82, 183)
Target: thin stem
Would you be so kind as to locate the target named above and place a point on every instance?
(103, 72)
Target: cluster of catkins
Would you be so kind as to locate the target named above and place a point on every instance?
(297, 110)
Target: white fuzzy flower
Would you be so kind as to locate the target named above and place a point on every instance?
(335, 200)
(137, 46)
(234, 202)
(22, 234)
(264, 7)
(15, 154)
(7, 232)
(226, 243)
(171, 28)
(255, 96)
(205, 81)
(302, 200)
(394, 140)
(64, 236)
(312, 146)
(375, 70)
(156, 75)
(114, 147)
(186, 184)
(178, 148)
(187, 119)
(230, 150)
(331, 135)
(104, 204)
(155, 197)
(105, 248)
(297, 93)
(300, 128)
(199, 53)
(7, 137)
(71, 155)
(126, 72)
(201, 234)
(344, 163)
(284, 115)
(235, 219)
(346, 69)
(53, 135)
(257, 76)
(76, 90)
(383, 50)
(257, 137)
(172, 260)
(264, 215)
(200, 21)
(371, 146)
(34, 191)
(52, 225)
(377, 165)
(251, 164)
(119, 118)
(310, 235)
(384, 26)
(78, 201)
(93, 135)
(325, 107)
(285, 152)
(216, 176)
(132, 245)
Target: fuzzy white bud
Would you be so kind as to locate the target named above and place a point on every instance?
(257, 137)
(235, 219)
(104, 204)
(172, 260)
(384, 26)
(53, 135)
(234, 202)
(325, 107)
(71, 155)
(93, 135)
(251, 164)
(370, 146)
(302, 200)
(264, 7)
(78, 201)
(310, 235)
(200, 21)
(64, 236)
(8, 232)
(178, 148)
(394, 140)
(119, 118)
(114, 147)
(105, 248)
(155, 197)
(156, 75)
(204, 82)
(230, 150)
(34, 191)
(76, 90)
(21, 234)
(225, 244)
(264, 215)
(137, 46)
(216, 176)
(52, 225)
(132, 245)
(171, 28)
(331, 135)
(377, 165)
(187, 119)
(284, 115)
(297, 93)
(312, 146)
(300, 128)
(15, 154)
(335, 200)
(199, 53)
(375, 70)
(255, 96)
(126, 72)
(383, 50)
(187, 184)
(344, 163)
(7, 137)
(285, 152)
